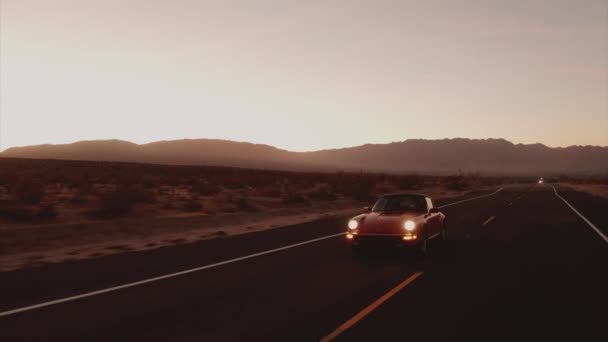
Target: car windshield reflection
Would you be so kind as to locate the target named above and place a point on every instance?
(400, 203)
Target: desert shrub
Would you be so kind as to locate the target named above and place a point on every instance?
(228, 208)
(78, 198)
(19, 212)
(410, 182)
(57, 178)
(168, 203)
(363, 190)
(322, 192)
(29, 191)
(356, 186)
(273, 191)
(82, 186)
(46, 212)
(204, 188)
(141, 195)
(8, 178)
(171, 180)
(193, 205)
(244, 204)
(114, 204)
(224, 202)
(292, 197)
(149, 182)
(13, 211)
(456, 183)
(381, 189)
(234, 184)
(120, 202)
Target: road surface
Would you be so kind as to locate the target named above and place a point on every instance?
(520, 265)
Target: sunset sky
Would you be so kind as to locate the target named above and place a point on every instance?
(303, 75)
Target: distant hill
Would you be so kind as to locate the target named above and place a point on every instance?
(446, 156)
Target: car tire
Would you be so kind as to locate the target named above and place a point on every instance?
(423, 248)
(444, 232)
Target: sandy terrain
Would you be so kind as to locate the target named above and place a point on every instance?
(600, 190)
(32, 245)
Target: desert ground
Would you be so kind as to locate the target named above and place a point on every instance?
(52, 211)
(598, 190)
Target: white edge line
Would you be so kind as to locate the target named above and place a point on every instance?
(431, 237)
(150, 280)
(470, 199)
(192, 270)
(599, 232)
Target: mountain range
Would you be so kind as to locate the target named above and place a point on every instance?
(445, 156)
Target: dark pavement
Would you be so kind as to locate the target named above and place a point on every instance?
(535, 272)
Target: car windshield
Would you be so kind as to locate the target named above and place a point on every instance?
(400, 203)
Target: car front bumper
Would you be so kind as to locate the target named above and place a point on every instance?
(382, 240)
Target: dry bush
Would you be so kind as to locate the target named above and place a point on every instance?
(456, 183)
(170, 181)
(150, 182)
(356, 186)
(82, 185)
(13, 211)
(18, 212)
(381, 189)
(410, 182)
(114, 204)
(193, 205)
(46, 212)
(29, 191)
(120, 202)
(363, 190)
(273, 191)
(322, 192)
(224, 202)
(244, 204)
(293, 197)
(78, 198)
(204, 188)
(8, 177)
(228, 208)
(234, 184)
(168, 203)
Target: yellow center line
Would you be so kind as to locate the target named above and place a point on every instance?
(486, 222)
(348, 324)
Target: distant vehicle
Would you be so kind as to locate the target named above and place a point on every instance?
(541, 180)
(398, 220)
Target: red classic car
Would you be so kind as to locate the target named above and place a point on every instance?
(409, 220)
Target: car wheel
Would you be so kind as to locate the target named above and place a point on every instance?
(444, 232)
(424, 245)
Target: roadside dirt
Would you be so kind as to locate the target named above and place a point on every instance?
(599, 190)
(33, 245)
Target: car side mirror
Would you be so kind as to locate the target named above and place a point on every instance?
(433, 211)
(366, 210)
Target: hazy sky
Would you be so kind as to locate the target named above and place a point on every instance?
(304, 75)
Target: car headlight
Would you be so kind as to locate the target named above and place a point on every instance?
(409, 225)
(353, 224)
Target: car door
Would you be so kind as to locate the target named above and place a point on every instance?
(434, 226)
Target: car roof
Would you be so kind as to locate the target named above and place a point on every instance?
(405, 194)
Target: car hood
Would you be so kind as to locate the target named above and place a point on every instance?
(386, 222)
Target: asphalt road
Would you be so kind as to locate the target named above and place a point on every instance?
(536, 271)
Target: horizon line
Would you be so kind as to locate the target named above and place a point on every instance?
(294, 151)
